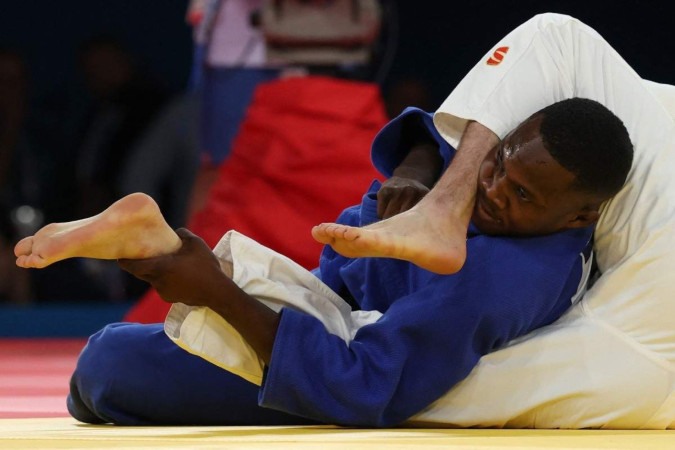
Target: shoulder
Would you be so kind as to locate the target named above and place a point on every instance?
(540, 269)
(558, 248)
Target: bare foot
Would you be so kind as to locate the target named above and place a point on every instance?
(432, 234)
(132, 227)
(438, 245)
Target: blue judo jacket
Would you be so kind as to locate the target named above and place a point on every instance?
(434, 328)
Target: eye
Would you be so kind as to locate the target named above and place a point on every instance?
(522, 194)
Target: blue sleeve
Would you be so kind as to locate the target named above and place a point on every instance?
(426, 341)
(388, 150)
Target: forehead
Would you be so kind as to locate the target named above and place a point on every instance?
(529, 163)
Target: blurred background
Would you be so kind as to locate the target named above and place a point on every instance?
(84, 84)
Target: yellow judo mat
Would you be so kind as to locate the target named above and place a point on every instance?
(66, 433)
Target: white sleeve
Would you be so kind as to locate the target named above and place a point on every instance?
(549, 58)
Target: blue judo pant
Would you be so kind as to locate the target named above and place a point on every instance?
(132, 374)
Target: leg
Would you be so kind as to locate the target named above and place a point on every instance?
(132, 374)
(132, 227)
(433, 233)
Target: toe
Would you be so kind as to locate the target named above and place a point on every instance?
(24, 246)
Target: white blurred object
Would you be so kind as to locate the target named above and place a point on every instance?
(26, 220)
(327, 32)
(230, 31)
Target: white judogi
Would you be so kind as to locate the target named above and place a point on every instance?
(609, 362)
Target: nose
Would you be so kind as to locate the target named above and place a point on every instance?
(494, 191)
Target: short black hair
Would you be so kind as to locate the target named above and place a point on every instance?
(590, 141)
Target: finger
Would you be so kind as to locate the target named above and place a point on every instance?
(140, 268)
(185, 233)
(398, 205)
(382, 207)
(392, 209)
(128, 265)
(191, 241)
(383, 200)
(409, 203)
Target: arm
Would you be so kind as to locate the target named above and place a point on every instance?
(193, 276)
(426, 342)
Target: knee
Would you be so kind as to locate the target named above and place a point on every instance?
(90, 376)
(103, 370)
(103, 355)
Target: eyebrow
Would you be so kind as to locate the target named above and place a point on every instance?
(535, 197)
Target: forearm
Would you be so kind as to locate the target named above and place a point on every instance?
(193, 275)
(256, 322)
(392, 369)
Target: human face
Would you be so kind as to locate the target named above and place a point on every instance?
(523, 191)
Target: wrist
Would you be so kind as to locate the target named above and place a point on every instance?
(414, 175)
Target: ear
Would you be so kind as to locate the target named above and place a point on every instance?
(585, 217)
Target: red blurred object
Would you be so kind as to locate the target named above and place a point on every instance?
(302, 155)
(34, 376)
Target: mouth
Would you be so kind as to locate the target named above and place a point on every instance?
(485, 216)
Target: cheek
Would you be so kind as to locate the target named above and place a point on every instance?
(527, 220)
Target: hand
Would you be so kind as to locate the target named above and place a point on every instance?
(191, 275)
(399, 194)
